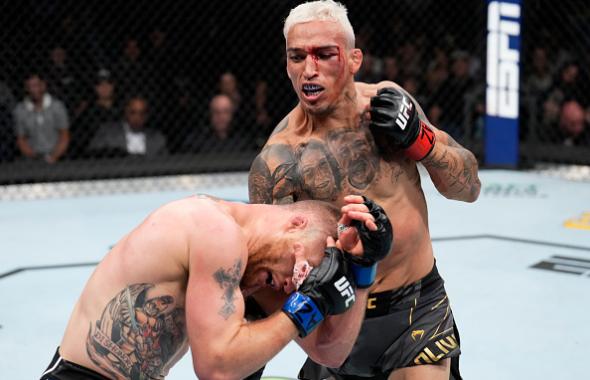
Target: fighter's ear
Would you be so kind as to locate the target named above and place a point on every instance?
(356, 60)
(298, 222)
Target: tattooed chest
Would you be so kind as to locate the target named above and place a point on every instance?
(343, 162)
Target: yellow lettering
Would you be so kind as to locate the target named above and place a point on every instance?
(440, 346)
(582, 223)
(452, 343)
(432, 356)
(422, 356)
(371, 303)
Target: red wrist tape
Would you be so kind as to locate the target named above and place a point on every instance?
(423, 143)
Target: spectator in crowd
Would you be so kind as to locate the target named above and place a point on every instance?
(412, 85)
(182, 117)
(437, 71)
(540, 79)
(103, 110)
(63, 83)
(130, 136)
(410, 59)
(219, 134)
(573, 125)
(164, 68)
(159, 54)
(263, 117)
(391, 70)
(370, 71)
(273, 99)
(7, 104)
(133, 75)
(537, 84)
(568, 86)
(228, 85)
(452, 95)
(41, 123)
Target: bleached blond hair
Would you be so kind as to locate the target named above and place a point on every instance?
(322, 10)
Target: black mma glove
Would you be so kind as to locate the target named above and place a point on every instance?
(394, 113)
(327, 290)
(376, 245)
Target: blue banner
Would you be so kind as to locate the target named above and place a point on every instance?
(502, 82)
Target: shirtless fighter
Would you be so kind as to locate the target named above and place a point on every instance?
(178, 280)
(356, 138)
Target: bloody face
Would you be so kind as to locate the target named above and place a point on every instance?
(318, 64)
(272, 267)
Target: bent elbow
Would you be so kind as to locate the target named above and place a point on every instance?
(212, 370)
(330, 361)
(468, 195)
(335, 362)
(474, 192)
(330, 356)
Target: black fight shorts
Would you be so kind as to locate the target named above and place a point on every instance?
(405, 327)
(61, 369)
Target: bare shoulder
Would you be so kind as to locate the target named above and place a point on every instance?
(191, 217)
(198, 230)
(283, 128)
(370, 89)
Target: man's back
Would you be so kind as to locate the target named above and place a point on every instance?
(132, 310)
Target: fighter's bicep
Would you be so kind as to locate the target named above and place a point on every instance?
(214, 301)
(274, 175)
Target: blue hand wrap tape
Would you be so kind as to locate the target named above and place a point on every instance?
(364, 276)
(304, 312)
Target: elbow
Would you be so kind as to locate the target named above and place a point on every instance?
(214, 369)
(334, 362)
(330, 361)
(468, 194)
(215, 374)
(474, 192)
(329, 355)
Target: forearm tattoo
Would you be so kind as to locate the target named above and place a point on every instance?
(139, 334)
(459, 167)
(228, 280)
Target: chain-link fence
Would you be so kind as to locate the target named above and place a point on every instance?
(152, 88)
(555, 101)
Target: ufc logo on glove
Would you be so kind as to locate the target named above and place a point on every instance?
(345, 290)
(403, 115)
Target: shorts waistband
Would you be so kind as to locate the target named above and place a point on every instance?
(60, 366)
(379, 304)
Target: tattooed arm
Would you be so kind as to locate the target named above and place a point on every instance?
(453, 169)
(274, 176)
(223, 344)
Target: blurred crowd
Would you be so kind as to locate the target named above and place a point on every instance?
(136, 102)
(130, 107)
